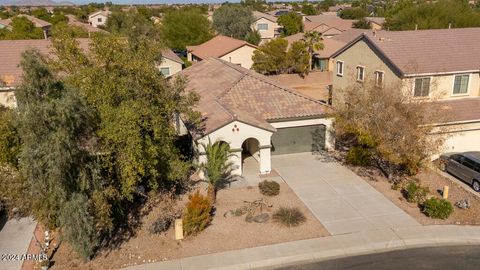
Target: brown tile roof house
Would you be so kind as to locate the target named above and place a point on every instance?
(217, 47)
(439, 51)
(169, 54)
(11, 55)
(73, 21)
(331, 21)
(229, 92)
(458, 110)
(258, 15)
(37, 22)
(330, 45)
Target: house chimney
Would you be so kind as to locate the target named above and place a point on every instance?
(449, 25)
(416, 27)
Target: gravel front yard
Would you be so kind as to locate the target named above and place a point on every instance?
(435, 182)
(225, 233)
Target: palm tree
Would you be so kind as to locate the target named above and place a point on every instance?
(217, 167)
(313, 41)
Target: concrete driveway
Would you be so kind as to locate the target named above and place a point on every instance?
(341, 200)
(15, 238)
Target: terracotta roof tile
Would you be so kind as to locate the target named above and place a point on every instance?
(167, 53)
(458, 110)
(259, 15)
(217, 47)
(36, 21)
(332, 21)
(229, 92)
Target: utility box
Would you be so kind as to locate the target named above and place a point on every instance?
(178, 229)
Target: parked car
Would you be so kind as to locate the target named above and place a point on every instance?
(465, 166)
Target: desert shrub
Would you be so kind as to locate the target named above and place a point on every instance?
(415, 193)
(269, 188)
(359, 156)
(437, 208)
(168, 212)
(289, 216)
(197, 214)
(161, 224)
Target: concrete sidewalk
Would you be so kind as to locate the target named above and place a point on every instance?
(310, 250)
(15, 238)
(341, 200)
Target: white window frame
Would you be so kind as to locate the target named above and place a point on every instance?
(168, 68)
(99, 19)
(357, 68)
(377, 72)
(429, 86)
(258, 28)
(342, 69)
(468, 85)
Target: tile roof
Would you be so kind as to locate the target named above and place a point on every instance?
(229, 92)
(330, 45)
(259, 15)
(332, 21)
(217, 47)
(377, 20)
(11, 56)
(457, 110)
(36, 21)
(434, 51)
(73, 21)
(105, 13)
(167, 53)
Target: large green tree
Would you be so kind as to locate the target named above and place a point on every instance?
(185, 26)
(291, 23)
(233, 20)
(22, 28)
(131, 24)
(271, 57)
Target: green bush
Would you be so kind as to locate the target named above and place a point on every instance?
(197, 214)
(269, 188)
(359, 156)
(415, 193)
(437, 208)
(289, 216)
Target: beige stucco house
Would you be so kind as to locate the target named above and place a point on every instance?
(256, 116)
(171, 64)
(442, 64)
(266, 25)
(229, 49)
(327, 25)
(98, 18)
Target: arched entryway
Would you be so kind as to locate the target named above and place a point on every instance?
(251, 156)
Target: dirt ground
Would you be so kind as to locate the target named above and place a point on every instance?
(225, 233)
(435, 182)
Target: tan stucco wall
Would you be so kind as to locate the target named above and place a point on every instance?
(266, 34)
(175, 67)
(7, 99)
(441, 86)
(242, 56)
(94, 20)
(360, 54)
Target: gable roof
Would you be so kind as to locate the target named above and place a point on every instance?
(169, 54)
(331, 20)
(11, 55)
(73, 21)
(217, 47)
(377, 20)
(426, 52)
(258, 15)
(330, 45)
(101, 12)
(36, 21)
(231, 93)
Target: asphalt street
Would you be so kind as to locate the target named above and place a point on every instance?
(438, 258)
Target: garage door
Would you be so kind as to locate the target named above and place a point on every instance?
(298, 139)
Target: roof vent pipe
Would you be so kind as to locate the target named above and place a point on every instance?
(416, 27)
(449, 25)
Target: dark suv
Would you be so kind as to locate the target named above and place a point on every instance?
(465, 166)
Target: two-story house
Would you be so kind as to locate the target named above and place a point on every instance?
(266, 25)
(98, 18)
(442, 65)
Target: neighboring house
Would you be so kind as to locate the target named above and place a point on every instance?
(266, 25)
(376, 23)
(171, 64)
(98, 18)
(72, 20)
(45, 26)
(229, 49)
(279, 12)
(443, 64)
(339, 8)
(327, 25)
(255, 115)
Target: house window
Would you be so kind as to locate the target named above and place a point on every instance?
(460, 86)
(339, 68)
(262, 26)
(99, 19)
(379, 76)
(165, 71)
(360, 73)
(422, 87)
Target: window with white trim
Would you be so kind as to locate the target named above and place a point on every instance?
(165, 71)
(339, 68)
(262, 26)
(379, 77)
(99, 19)
(460, 85)
(422, 87)
(360, 73)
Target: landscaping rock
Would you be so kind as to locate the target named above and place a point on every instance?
(262, 218)
(463, 204)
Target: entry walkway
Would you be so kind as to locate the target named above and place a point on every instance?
(340, 199)
(15, 237)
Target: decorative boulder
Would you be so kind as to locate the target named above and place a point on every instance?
(262, 218)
